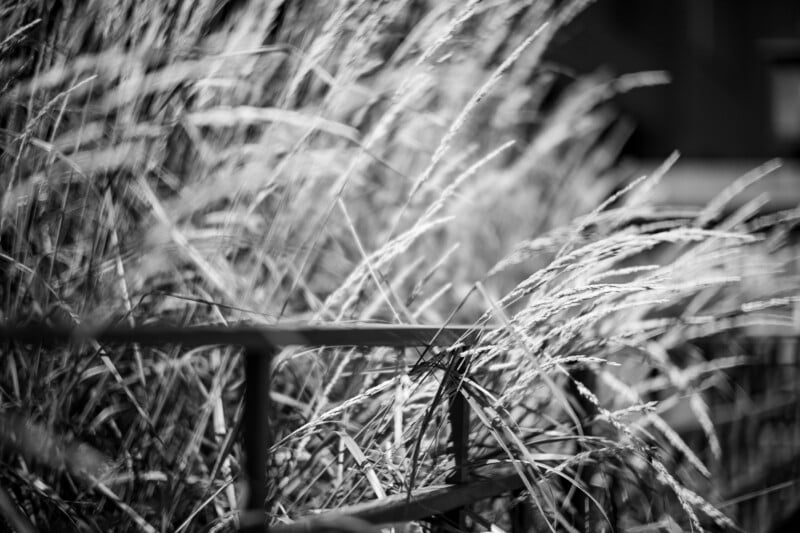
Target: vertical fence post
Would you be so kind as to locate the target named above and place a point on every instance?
(459, 433)
(587, 516)
(257, 432)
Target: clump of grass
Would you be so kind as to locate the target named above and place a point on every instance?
(403, 162)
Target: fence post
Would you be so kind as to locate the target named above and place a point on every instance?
(257, 432)
(459, 433)
(587, 516)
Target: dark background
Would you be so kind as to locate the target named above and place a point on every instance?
(723, 57)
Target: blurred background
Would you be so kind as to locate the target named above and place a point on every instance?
(733, 99)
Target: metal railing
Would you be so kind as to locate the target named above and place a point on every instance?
(260, 344)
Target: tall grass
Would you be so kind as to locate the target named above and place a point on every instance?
(409, 162)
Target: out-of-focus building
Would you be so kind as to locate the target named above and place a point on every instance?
(734, 98)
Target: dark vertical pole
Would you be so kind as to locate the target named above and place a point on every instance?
(459, 432)
(587, 517)
(522, 514)
(257, 432)
(459, 423)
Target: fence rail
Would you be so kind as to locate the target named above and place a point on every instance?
(423, 503)
(252, 336)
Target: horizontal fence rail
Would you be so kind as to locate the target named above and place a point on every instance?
(260, 344)
(422, 504)
(407, 336)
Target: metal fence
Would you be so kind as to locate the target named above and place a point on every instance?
(260, 344)
(448, 503)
